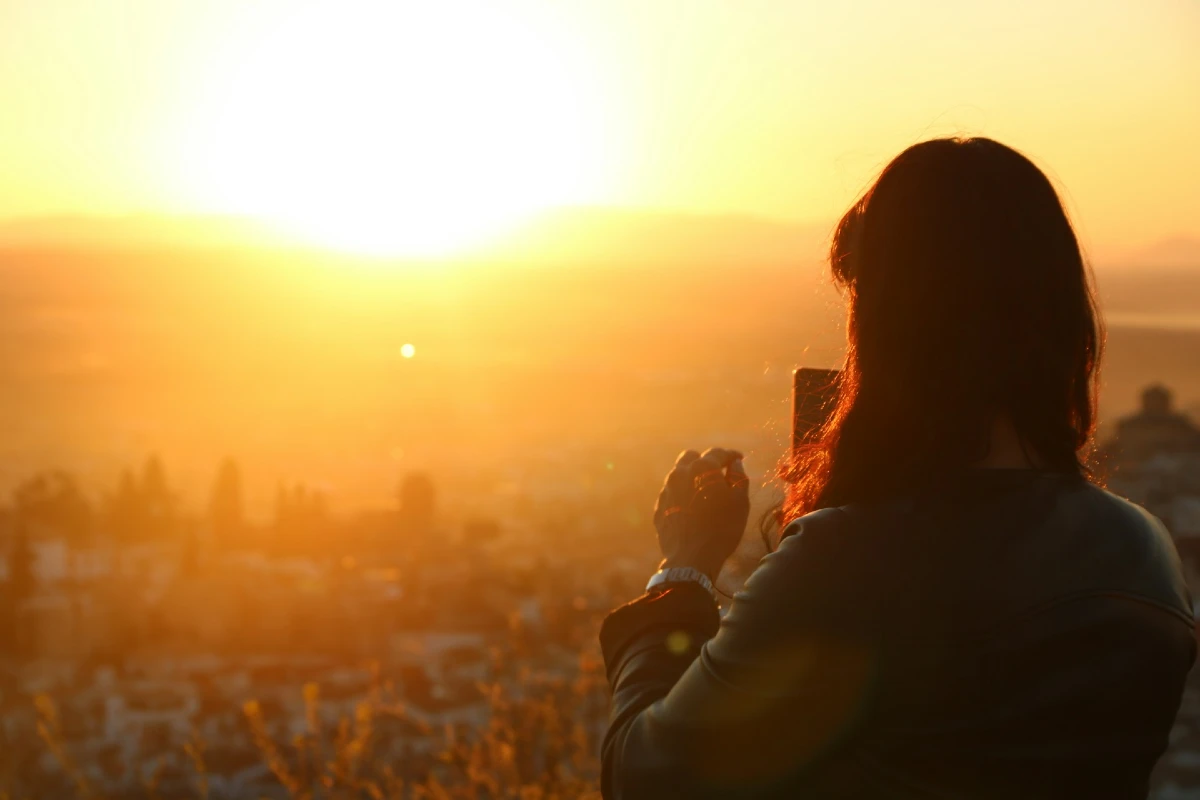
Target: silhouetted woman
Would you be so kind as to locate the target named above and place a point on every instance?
(954, 609)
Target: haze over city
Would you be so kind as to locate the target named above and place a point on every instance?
(345, 344)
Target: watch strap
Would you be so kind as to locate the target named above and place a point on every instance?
(681, 575)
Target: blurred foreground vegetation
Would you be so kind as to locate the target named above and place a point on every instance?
(541, 746)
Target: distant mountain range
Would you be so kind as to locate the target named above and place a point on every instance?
(576, 235)
(567, 236)
(637, 236)
(1180, 252)
(134, 231)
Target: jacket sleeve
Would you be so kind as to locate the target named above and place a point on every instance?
(704, 707)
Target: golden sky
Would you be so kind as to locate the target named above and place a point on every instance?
(422, 125)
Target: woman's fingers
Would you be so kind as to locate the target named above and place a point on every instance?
(737, 477)
(665, 510)
(694, 472)
(661, 504)
(705, 470)
(721, 455)
(702, 508)
(676, 487)
(712, 465)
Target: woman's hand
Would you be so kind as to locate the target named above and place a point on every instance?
(702, 510)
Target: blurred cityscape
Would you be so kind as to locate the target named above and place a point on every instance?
(204, 655)
(1154, 460)
(158, 648)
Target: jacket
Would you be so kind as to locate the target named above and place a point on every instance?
(1008, 634)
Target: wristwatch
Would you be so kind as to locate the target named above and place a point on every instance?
(681, 575)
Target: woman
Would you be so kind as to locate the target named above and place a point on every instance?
(954, 609)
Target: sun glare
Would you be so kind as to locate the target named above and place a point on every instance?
(412, 129)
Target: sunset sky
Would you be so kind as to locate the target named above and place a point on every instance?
(425, 126)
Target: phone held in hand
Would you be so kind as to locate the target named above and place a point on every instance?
(814, 394)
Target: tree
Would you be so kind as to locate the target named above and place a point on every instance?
(143, 509)
(54, 500)
(124, 508)
(157, 498)
(225, 507)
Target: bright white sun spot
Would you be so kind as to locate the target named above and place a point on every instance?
(401, 128)
(407, 350)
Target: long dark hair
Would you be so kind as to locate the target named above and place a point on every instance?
(968, 300)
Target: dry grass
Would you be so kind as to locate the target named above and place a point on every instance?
(540, 746)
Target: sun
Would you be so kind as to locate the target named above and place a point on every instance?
(401, 128)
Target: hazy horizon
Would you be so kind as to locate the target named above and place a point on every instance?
(591, 233)
(290, 359)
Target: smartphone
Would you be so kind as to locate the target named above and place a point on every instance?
(814, 394)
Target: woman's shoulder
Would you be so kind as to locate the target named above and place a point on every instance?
(1120, 513)
(833, 547)
(1139, 546)
(1098, 515)
(843, 531)
(816, 524)
(824, 571)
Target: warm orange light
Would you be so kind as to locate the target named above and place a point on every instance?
(414, 128)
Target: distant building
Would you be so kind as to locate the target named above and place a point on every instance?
(1155, 430)
(1154, 460)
